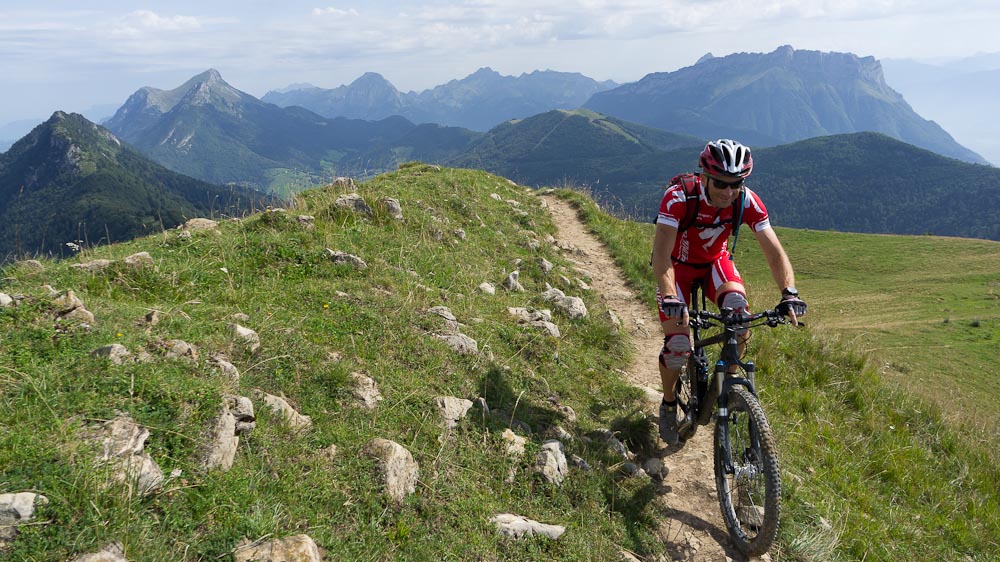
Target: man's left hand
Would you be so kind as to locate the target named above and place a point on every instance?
(792, 307)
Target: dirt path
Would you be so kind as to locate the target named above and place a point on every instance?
(694, 530)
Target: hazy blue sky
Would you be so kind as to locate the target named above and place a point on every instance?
(59, 55)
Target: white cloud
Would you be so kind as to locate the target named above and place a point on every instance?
(331, 11)
(141, 22)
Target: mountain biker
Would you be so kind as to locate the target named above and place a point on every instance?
(684, 254)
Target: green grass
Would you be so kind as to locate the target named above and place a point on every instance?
(305, 308)
(872, 469)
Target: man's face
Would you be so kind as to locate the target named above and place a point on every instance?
(722, 193)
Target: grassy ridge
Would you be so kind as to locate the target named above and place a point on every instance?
(271, 268)
(871, 471)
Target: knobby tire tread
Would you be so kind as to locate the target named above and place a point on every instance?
(762, 540)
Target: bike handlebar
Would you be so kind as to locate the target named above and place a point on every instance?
(729, 318)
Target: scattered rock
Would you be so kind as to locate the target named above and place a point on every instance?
(535, 318)
(200, 224)
(487, 288)
(152, 318)
(573, 307)
(280, 406)
(515, 443)
(66, 303)
(92, 266)
(365, 390)
(460, 343)
(298, 548)
(116, 352)
(545, 264)
(227, 368)
(80, 314)
(237, 418)
(393, 207)
(306, 221)
(355, 203)
(180, 349)
(452, 409)
(608, 438)
(511, 282)
(249, 337)
(6, 300)
(551, 462)
(16, 509)
(396, 466)
(451, 323)
(121, 444)
(568, 413)
(33, 266)
(330, 452)
(578, 462)
(343, 258)
(113, 552)
(613, 319)
(518, 527)
(655, 468)
(344, 182)
(559, 432)
(139, 260)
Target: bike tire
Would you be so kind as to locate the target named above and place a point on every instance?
(750, 498)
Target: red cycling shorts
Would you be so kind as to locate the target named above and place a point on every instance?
(712, 275)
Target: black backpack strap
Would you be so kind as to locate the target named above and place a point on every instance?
(689, 182)
(738, 206)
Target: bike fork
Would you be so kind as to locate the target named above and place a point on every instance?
(722, 409)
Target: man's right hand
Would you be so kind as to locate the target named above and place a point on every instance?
(672, 307)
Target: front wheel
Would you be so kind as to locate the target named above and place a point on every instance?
(746, 473)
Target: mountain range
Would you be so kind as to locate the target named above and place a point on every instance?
(479, 101)
(211, 131)
(70, 180)
(208, 129)
(857, 182)
(769, 99)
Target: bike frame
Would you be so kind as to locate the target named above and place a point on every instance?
(721, 381)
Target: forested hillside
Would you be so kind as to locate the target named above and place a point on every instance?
(859, 182)
(72, 181)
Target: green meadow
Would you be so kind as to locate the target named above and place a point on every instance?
(875, 462)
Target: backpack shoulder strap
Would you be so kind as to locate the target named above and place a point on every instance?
(689, 183)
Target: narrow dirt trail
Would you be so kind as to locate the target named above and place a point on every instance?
(694, 530)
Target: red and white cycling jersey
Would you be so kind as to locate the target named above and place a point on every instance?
(707, 239)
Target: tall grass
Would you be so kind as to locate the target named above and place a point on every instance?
(872, 468)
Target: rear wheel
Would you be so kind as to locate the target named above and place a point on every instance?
(686, 425)
(750, 485)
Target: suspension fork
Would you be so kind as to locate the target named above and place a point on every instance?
(722, 404)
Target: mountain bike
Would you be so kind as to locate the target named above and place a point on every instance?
(747, 477)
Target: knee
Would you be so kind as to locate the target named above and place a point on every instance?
(736, 301)
(676, 349)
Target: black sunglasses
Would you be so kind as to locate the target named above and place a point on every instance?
(719, 184)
